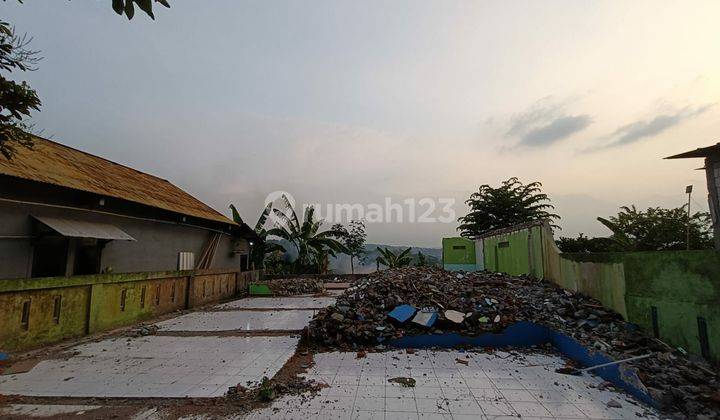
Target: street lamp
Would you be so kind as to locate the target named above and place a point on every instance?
(688, 191)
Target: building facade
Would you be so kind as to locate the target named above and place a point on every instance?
(64, 212)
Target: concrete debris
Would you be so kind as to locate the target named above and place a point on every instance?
(614, 404)
(144, 330)
(483, 302)
(296, 286)
(454, 316)
(425, 317)
(406, 382)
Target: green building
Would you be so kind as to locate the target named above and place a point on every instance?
(458, 254)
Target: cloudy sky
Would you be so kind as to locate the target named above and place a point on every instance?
(352, 102)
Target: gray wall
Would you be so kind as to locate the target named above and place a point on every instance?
(156, 247)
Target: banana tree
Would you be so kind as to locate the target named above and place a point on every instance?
(392, 260)
(311, 244)
(259, 250)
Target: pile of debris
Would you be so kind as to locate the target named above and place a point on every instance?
(391, 304)
(296, 286)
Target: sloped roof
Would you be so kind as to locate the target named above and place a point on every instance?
(698, 153)
(53, 163)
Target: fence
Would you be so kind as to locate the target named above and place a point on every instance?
(40, 311)
(675, 295)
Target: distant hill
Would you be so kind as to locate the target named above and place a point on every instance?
(341, 263)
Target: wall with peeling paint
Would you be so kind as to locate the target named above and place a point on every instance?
(88, 304)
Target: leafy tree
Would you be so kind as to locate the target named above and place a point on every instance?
(509, 204)
(312, 245)
(585, 244)
(658, 229)
(353, 239)
(127, 7)
(17, 100)
(259, 250)
(393, 260)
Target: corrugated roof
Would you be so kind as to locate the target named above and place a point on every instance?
(57, 164)
(698, 153)
(510, 229)
(84, 229)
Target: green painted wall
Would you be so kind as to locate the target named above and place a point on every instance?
(515, 253)
(88, 304)
(42, 326)
(458, 251)
(681, 285)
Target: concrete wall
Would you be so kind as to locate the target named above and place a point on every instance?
(88, 304)
(156, 247)
(518, 252)
(681, 286)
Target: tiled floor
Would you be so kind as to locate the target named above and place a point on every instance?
(489, 386)
(39, 410)
(239, 320)
(299, 302)
(155, 366)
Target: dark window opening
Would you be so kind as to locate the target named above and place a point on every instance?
(50, 257)
(87, 257)
(157, 295)
(142, 297)
(25, 318)
(503, 244)
(123, 297)
(57, 303)
(244, 262)
(458, 247)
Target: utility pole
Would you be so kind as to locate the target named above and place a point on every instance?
(688, 191)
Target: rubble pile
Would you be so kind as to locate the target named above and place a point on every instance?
(296, 286)
(421, 300)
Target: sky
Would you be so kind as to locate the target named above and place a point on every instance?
(362, 102)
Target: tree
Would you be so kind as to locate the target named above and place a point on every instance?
(510, 204)
(312, 245)
(260, 249)
(585, 244)
(393, 260)
(658, 229)
(353, 239)
(127, 7)
(17, 100)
